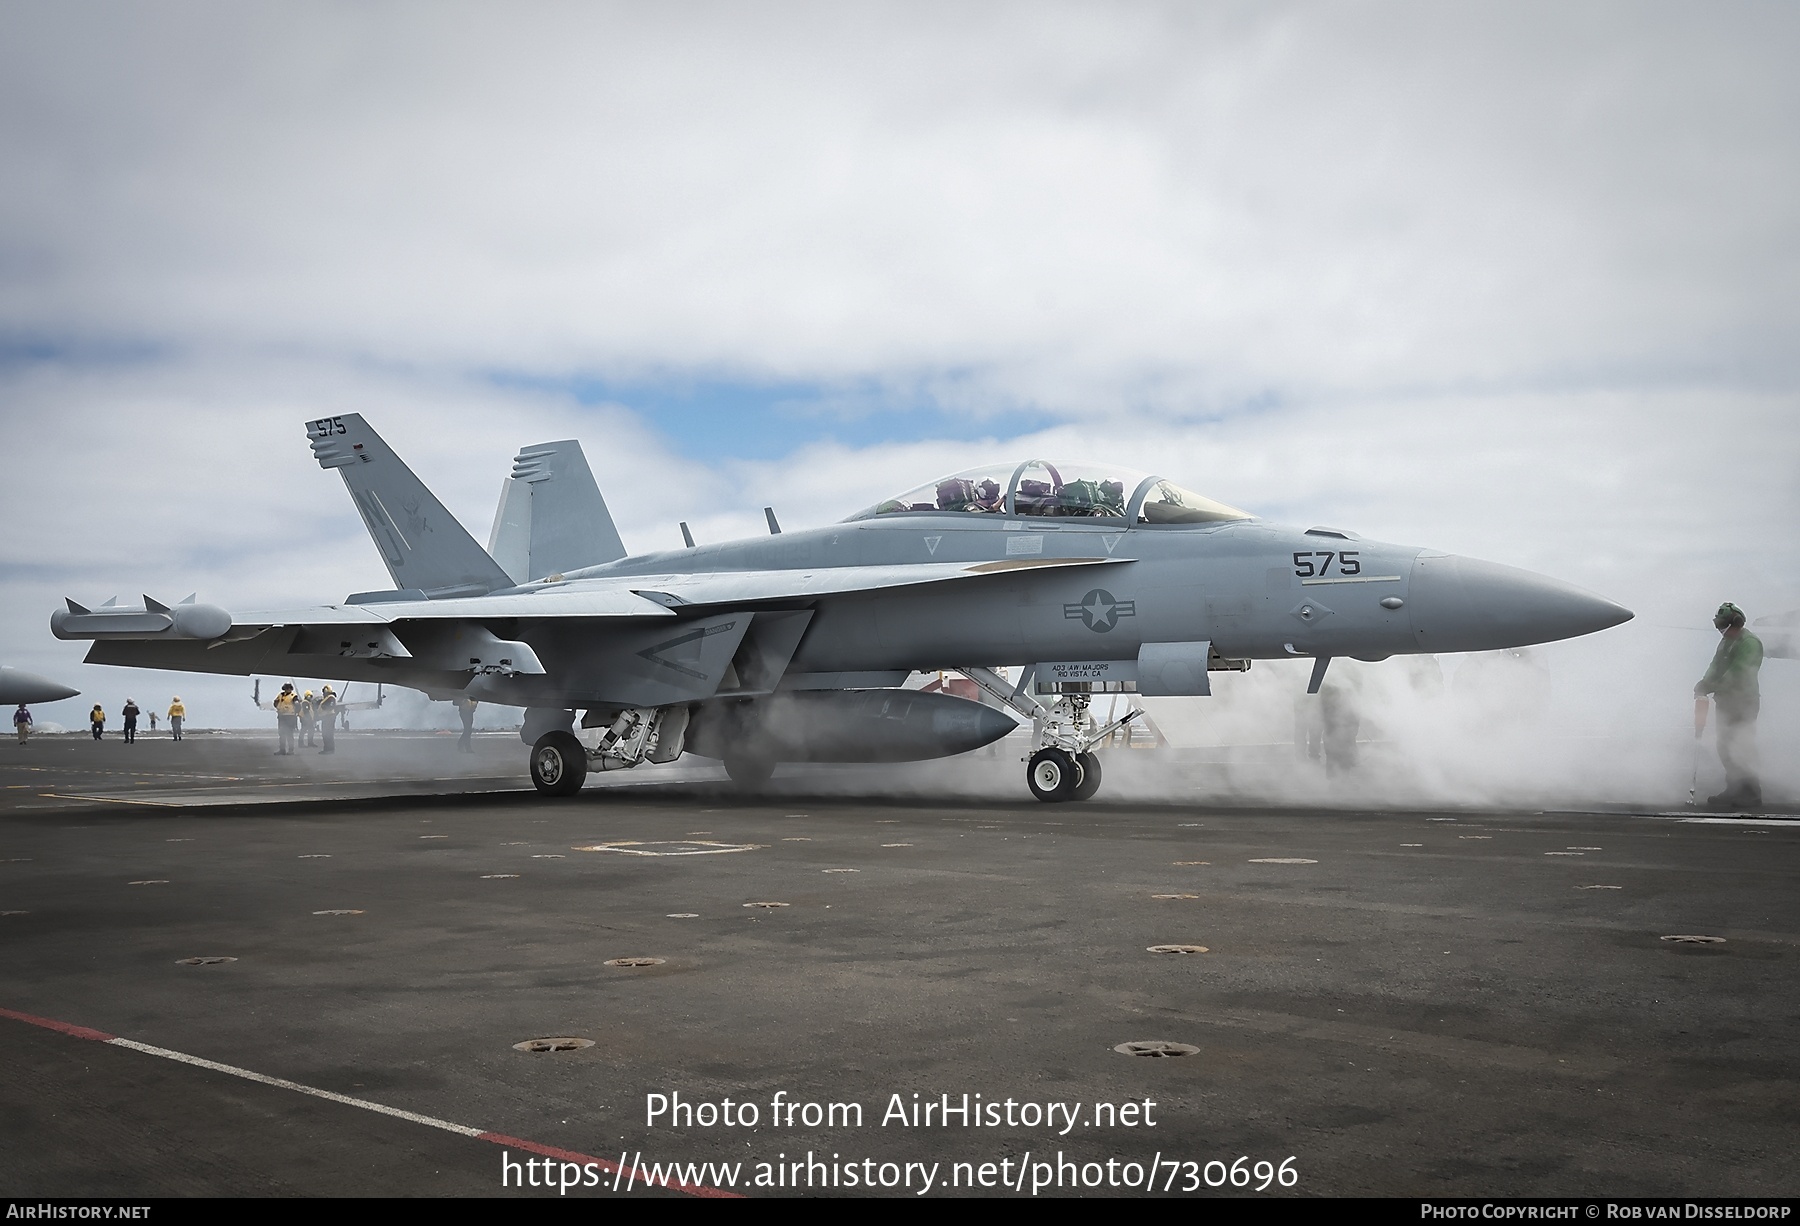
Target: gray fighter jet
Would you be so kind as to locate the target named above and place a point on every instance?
(18, 686)
(1090, 578)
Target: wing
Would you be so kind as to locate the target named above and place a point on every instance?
(638, 640)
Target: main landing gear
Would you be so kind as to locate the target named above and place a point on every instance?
(1064, 766)
(749, 773)
(560, 761)
(559, 764)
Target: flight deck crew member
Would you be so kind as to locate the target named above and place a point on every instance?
(177, 713)
(97, 721)
(309, 718)
(22, 722)
(465, 707)
(1731, 680)
(326, 708)
(130, 713)
(286, 716)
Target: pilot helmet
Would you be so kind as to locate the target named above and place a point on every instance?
(1729, 615)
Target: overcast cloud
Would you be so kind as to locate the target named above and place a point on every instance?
(1516, 280)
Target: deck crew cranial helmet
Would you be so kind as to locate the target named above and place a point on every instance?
(1729, 615)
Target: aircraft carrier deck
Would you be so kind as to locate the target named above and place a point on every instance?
(1419, 1003)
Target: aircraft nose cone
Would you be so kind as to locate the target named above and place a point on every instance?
(1465, 604)
(18, 686)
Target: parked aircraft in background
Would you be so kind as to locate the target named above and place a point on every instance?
(787, 648)
(17, 686)
(1780, 634)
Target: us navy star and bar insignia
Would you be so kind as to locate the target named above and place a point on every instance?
(1099, 611)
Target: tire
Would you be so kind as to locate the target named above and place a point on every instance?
(558, 764)
(1090, 777)
(749, 772)
(1052, 775)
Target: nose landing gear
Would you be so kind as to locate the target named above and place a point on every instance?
(1064, 767)
(1090, 776)
(1055, 774)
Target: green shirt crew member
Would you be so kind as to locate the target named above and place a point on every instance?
(1731, 680)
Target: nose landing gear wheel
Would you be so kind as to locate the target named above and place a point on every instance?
(1053, 775)
(558, 764)
(1090, 777)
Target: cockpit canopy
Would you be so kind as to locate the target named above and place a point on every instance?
(1057, 490)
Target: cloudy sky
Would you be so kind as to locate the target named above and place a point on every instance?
(1516, 280)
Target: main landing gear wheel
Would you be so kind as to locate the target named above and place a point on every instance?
(558, 764)
(1053, 775)
(749, 772)
(1090, 777)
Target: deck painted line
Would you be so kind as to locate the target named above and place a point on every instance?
(112, 800)
(73, 1031)
(631, 1170)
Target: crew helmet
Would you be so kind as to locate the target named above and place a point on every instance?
(1729, 615)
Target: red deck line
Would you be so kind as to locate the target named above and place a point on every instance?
(638, 1174)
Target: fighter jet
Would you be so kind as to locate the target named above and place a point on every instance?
(1089, 578)
(18, 686)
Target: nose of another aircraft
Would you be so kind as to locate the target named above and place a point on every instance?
(1465, 604)
(17, 685)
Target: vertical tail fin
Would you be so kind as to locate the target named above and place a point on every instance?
(423, 545)
(551, 518)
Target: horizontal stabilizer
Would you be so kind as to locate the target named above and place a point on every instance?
(421, 542)
(551, 518)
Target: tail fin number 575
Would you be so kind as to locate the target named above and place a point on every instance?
(327, 426)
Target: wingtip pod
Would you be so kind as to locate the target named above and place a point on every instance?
(155, 620)
(201, 621)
